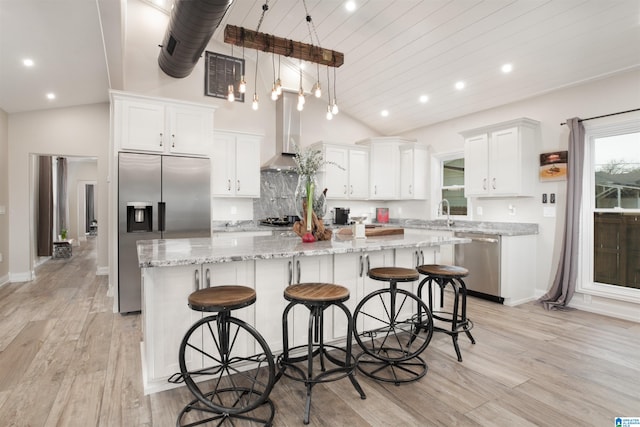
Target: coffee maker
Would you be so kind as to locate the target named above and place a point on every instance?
(341, 216)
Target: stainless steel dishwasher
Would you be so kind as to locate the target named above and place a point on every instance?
(482, 258)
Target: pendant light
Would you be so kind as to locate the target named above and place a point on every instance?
(301, 92)
(274, 91)
(316, 87)
(278, 81)
(329, 113)
(231, 96)
(334, 106)
(242, 87)
(254, 104)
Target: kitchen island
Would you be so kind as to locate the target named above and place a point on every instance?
(172, 269)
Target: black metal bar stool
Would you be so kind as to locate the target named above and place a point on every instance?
(317, 297)
(225, 362)
(387, 325)
(443, 275)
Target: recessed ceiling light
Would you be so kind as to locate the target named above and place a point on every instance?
(51, 95)
(507, 68)
(350, 5)
(460, 85)
(384, 113)
(424, 99)
(27, 62)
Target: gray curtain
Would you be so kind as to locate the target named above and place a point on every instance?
(564, 284)
(91, 216)
(45, 207)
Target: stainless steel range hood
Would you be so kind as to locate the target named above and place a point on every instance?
(288, 131)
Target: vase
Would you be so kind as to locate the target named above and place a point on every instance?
(305, 184)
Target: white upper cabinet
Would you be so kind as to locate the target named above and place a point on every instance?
(384, 166)
(502, 160)
(161, 126)
(414, 171)
(351, 179)
(236, 165)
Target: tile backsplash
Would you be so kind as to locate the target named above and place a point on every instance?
(276, 194)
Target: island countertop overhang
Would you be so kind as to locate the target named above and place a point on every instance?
(175, 252)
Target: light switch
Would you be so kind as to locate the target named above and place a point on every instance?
(552, 198)
(544, 197)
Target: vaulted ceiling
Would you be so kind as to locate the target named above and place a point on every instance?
(395, 51)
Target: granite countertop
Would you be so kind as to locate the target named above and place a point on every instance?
(174, 252)
(481, 227)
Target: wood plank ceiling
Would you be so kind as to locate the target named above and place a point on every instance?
(395, 51)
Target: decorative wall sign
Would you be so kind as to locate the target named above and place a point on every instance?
(220, 72)
(553, 166)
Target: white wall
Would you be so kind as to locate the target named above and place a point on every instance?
(79, 131)
(4, 197)
(608, 95)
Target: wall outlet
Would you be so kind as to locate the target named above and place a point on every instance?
(512, 210)
(479, 211)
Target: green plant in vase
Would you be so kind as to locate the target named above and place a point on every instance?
(308, 163)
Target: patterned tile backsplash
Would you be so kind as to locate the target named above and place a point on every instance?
(276, 194)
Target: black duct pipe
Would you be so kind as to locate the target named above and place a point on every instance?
(191, 26)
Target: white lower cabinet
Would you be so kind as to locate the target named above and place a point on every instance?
(272, 277)
(166, 318)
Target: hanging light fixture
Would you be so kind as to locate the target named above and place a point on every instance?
(242, 87)
(329, 113)
(274, 91)
(334, 105)
(316, 87)
(301, 92)
(254, 104)
(278, 81)
(231, 96)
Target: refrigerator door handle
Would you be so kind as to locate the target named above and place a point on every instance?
(162, 208)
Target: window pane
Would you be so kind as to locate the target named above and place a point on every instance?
(457, 201)
(452, 172)
(617, 171)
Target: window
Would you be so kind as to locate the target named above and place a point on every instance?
(612, 210)
(452, 183)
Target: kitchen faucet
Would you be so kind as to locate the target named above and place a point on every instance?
(441, 210)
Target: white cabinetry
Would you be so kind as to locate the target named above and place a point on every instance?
(350, 182)
(502, 160)
(414, 171)
(236, 165)
(385, 167)
(162, 126)
(272, 277)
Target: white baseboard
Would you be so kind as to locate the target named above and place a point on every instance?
(102, 271)
(22, 277)
(4, 280)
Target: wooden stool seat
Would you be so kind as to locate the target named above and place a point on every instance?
(222, 298)
(397, 274)
(316, 292)
(442, 270)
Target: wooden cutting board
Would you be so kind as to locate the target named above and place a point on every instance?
(374, 231)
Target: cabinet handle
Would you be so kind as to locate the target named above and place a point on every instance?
(493, 183)
(196, 280)
(416, 258)
(207, 277)
(228, 185)
(368, 263)
(173, 140)
(375, 189)
(351, 189)
(298, 271)
(290, 273)
(484, 184)
(345, 189)
(410, 189)
(160, 139)
(361, 266)
(238, 185)
(421, 257)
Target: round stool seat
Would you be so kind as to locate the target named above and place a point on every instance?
(222, 298)
(442, 270)
(316, 292)
(397, 274)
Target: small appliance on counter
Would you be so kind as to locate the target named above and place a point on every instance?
(341, 216)
(382, 215)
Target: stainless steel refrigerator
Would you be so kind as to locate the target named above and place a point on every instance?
(159, 197)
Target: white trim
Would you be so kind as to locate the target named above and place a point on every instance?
(585, 281)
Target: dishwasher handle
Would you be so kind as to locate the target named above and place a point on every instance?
(483, 239)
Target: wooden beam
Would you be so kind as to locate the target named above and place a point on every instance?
(250, 39)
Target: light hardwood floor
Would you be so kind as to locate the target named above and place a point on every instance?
(67, 360)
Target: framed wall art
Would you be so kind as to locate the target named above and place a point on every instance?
(220, 72)
(553, 166)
